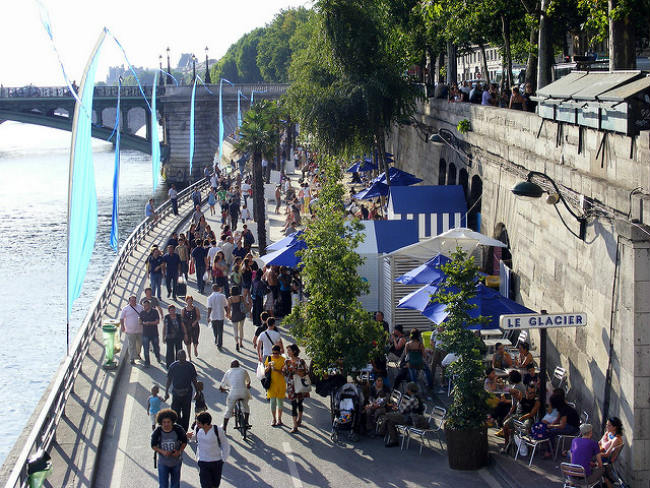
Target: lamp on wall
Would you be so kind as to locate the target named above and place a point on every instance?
(445, 136)
(530, 189)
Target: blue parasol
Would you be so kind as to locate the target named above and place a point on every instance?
(398, 178)
(285, 256)
(361, 166)
(285, 242)
(373, 191)
(426, 273)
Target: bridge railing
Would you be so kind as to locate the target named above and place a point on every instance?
(31, 91)
(106, 91)
(43, 432)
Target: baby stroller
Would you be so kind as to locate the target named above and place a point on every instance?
(346, 411)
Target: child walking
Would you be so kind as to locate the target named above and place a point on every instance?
(153, 405)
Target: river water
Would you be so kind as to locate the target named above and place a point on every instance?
(33, 208)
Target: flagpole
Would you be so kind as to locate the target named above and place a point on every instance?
(77, 110)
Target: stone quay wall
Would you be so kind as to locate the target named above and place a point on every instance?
(607, 276)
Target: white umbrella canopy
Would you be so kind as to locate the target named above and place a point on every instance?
(446, 243)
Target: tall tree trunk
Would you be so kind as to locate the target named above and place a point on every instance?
(380, 144)
(622, 53)
(452, 68)
(531, 64)
(505, 31)
(441, 63)
(486, 72)
(545, 48)
(259, 207)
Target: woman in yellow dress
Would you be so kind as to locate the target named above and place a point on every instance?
(278, 388)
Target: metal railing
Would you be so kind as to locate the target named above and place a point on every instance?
(43, 432)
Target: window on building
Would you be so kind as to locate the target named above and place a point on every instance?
(442, 172)
(451, 174)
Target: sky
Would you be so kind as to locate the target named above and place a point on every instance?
(144, 27)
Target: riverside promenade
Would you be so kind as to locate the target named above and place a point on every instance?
(104, 438)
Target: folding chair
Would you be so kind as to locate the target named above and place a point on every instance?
(610, 467)
(436, 423)
(559, 377)
(575, 476)
(522, 431)
(403, 432)
(401, 398)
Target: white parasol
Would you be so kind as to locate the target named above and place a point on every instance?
(446, 243)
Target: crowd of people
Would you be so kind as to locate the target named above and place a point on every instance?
(516, 97)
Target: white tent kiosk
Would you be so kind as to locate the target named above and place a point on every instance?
(434, 210)
(381, 236)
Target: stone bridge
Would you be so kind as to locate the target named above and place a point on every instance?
(53, 106)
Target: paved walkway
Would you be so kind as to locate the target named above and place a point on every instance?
(273, 457)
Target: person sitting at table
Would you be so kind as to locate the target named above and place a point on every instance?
(517, 392)
(499, 404)
(524, 358)
(501, 359)
(568, 422)
(609, 442)
(525, 410)
(583, 449)
(409, 413)
(380, 368)
(377, 399)
(531, 376)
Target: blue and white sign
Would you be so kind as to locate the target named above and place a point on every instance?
(542, 321)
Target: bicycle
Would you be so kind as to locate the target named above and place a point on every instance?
(240, 417)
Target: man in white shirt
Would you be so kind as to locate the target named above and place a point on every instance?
(130, 323)
(236, 379)
(212, 252)
(267, 339)
(212, 449)
(245, 191)
(173, 196)
(218, 307)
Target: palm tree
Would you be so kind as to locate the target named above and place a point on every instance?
(258, 136)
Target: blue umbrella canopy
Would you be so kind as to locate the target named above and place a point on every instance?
(287, 241)
(361, 166)
(489, 303)
(285, 256)
(426, 273)
(398, 178)
(373, 191)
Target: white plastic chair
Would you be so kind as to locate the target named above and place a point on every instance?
(403, 431)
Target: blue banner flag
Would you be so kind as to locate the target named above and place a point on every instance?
(115, 217)
(155, 142)
(221, 116)
(192, 126)
(82, 196)
(239, 96)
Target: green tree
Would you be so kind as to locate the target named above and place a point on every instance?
(332, 325)
(246, 56)
(274, 49)
(258, 139)
(349, 87)
(468, 408)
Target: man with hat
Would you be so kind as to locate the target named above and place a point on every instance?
(409, 413)
(583, 449)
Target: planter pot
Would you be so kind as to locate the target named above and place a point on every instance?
(467, 449)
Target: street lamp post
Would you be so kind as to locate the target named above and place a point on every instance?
(161, 80)
(445, 136)
(532, 190)
(208, 81)
(169, 69)
(193, 68)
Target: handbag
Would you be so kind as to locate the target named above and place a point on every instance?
(192, 270)
(266, 380)
(301, 384)
(206, 276)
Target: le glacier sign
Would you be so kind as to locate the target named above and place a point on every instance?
(542, 321)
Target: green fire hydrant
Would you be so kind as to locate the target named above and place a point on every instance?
(39, 467)
(109, 330)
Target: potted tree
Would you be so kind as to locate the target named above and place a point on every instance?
(465, 428)
(332, 325)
